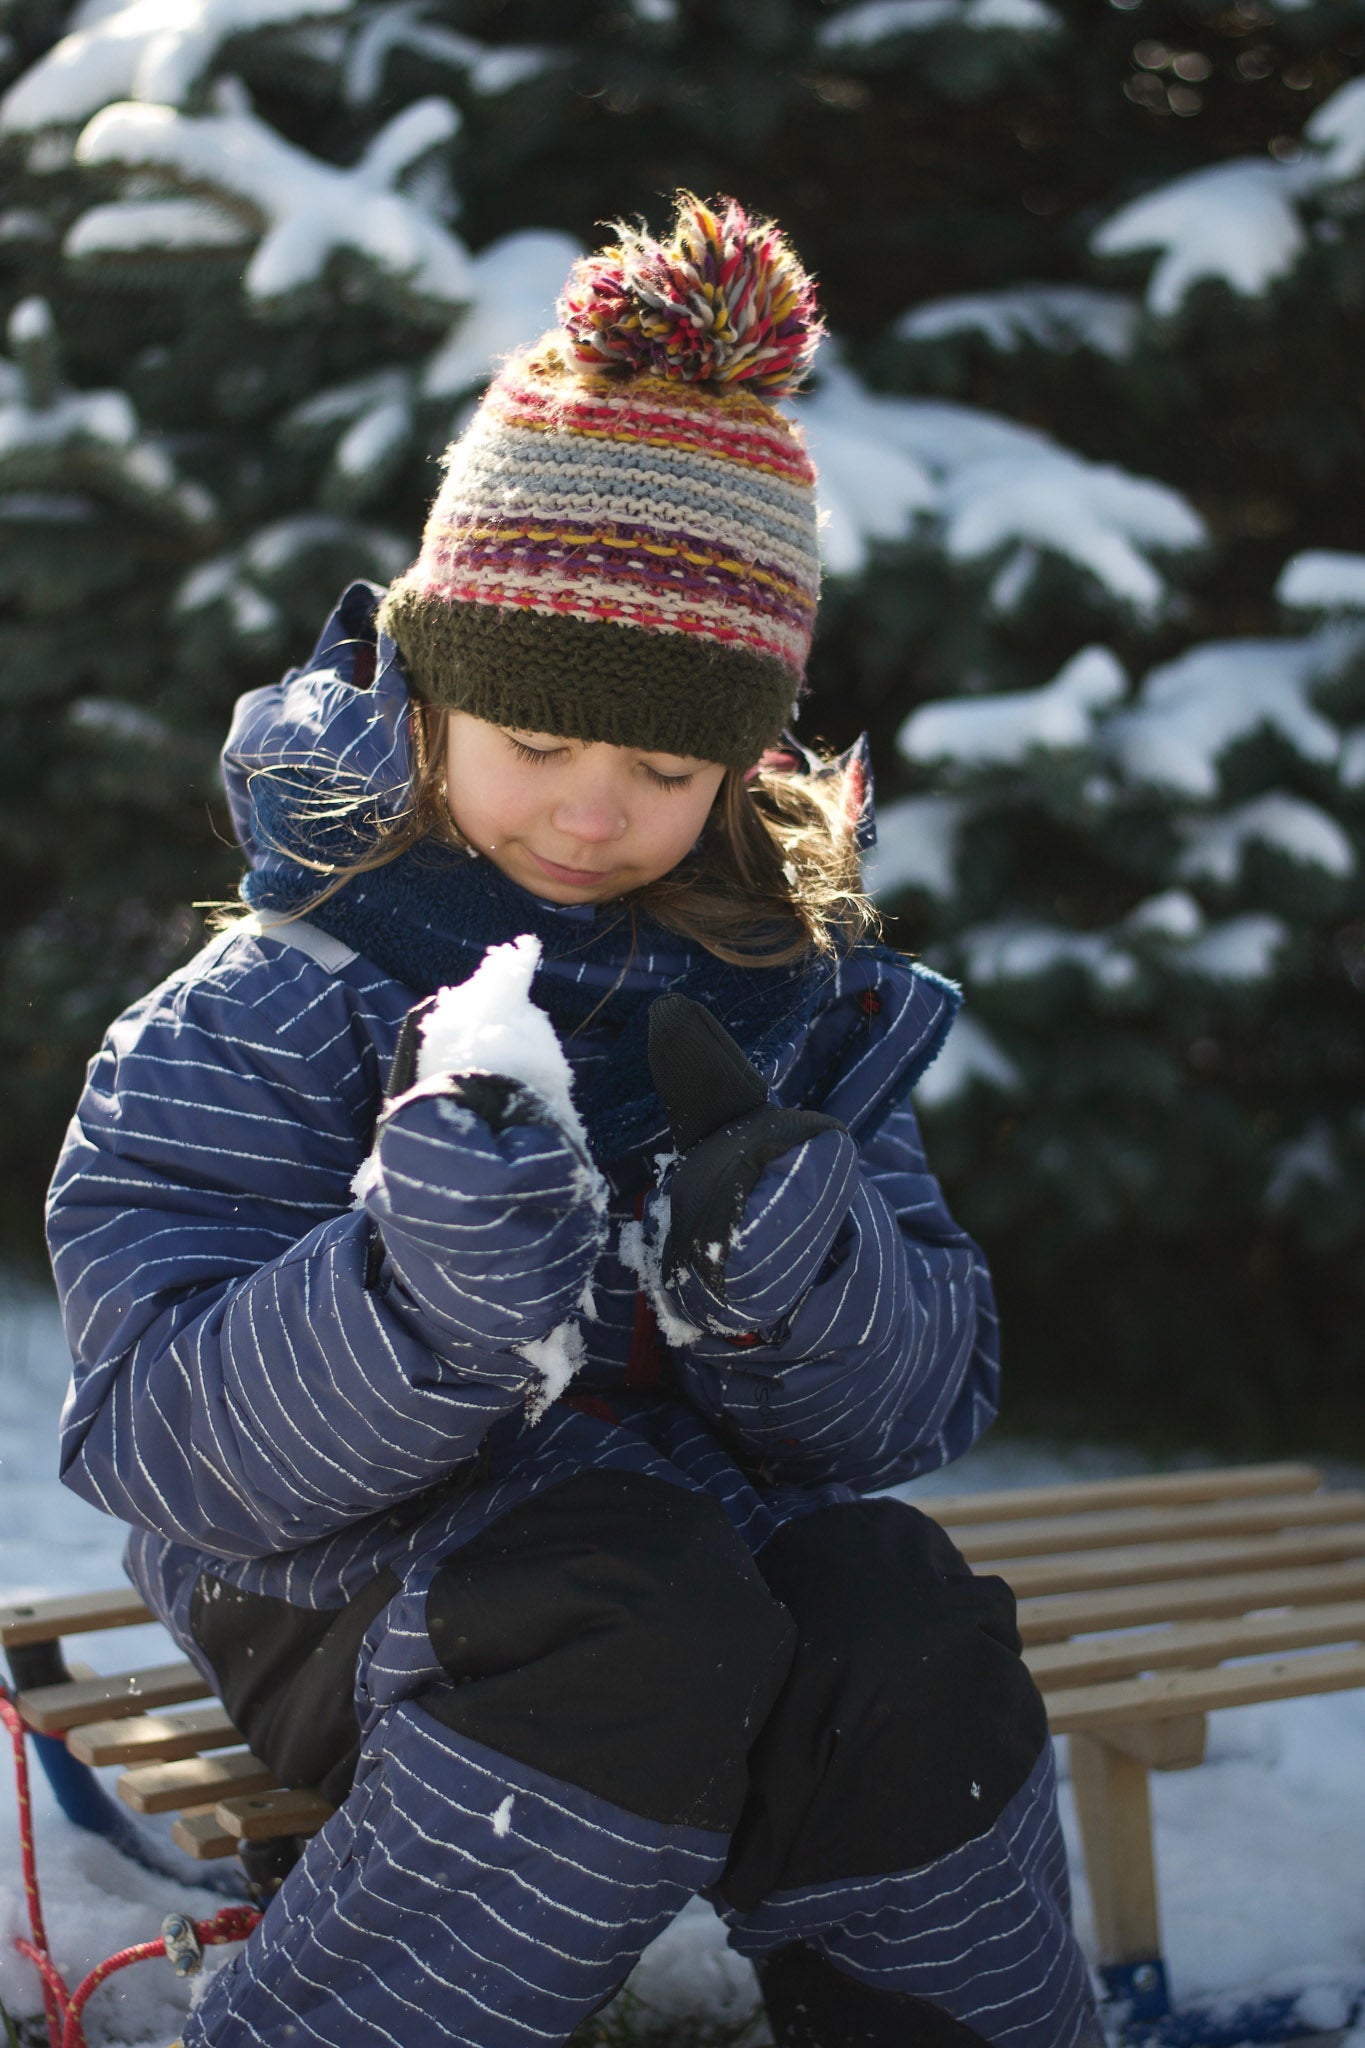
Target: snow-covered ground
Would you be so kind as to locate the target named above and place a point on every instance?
(1261, 1854)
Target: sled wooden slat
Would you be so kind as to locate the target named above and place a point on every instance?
(1188, 1643)
(38, 1621)
(201, 1835)
(1144, 1563)
(1054, 1617)
(169, 1787)
(257, 1816)
(152, 1737)
(1096, 1707)
(1079, 1496)
(1206, 1519)
(53, 1709)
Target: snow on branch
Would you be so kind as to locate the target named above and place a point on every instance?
(491, 68)
(1234, 221)
(1021, 949)
(1191, 711)
(970, 1058)
(881, 21)
(153, 50)
(1002, 731)
(1062, 317)
(513, 286)
(917, 846)
(999, 491)
(55, 439)
(1215, 847)
(306, 210)
(1322, 580)
(138, 225)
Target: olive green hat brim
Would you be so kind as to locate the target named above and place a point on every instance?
(591, 679)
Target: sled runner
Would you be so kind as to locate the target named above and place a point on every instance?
(1145, 1604)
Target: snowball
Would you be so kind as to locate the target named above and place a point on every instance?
(489, 1025)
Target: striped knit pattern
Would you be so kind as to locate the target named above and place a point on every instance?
(636, 504)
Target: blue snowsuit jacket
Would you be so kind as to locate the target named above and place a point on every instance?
(258, 1396)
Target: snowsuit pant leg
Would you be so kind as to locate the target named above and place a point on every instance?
(557, 1717)
(902, 1822)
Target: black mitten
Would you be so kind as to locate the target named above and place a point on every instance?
(723, 1125)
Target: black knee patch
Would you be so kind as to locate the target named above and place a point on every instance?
(287, 1676)
(614, 1632)
(810, 2004)
(908, 1720)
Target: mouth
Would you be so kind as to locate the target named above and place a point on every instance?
(583, 877)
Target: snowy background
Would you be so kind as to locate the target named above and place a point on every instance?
(1258, 1851)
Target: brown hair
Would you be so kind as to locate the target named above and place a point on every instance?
(773, 878)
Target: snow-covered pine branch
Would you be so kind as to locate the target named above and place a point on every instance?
(1000, 494)
(305, 210)
(56, 440)
(152, 50)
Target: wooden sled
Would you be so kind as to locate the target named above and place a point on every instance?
(1145, 1604)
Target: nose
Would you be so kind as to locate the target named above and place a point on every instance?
(591, 812)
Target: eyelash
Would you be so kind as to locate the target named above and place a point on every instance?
(525, 753)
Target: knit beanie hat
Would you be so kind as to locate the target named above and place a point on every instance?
(623, 547)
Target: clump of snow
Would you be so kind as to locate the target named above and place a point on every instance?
(490, 67)
(1310, 1160)
(489, 1025)
(1337, 128)
(513, 286)
(139, 50)
(877, 21)
(917, 846)
(642, 1255)
(1053, 316)
(1323, 580)
(307, 209)
(1173, 914)
(556, 1357)
(143, 224)
(502, 1815)
(1191, 711)
(1215, 846)
(970, 1057)
(1235, 221)
(1241, 949)
(995, 489)
(1024, 949)
(1001, 731)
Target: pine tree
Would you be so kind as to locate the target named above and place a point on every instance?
(1094, 280)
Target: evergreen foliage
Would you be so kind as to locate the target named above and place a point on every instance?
(1090, 435)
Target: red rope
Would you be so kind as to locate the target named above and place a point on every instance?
(64, 2007)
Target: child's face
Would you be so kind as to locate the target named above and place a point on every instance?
(573, 821)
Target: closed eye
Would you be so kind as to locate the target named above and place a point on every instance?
(527, 753)
(662, 781)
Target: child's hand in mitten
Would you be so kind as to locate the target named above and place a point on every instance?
(490, 1209)
(758, 1193)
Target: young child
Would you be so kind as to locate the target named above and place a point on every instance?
(503, 1459)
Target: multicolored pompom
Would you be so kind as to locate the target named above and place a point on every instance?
(723, 301)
